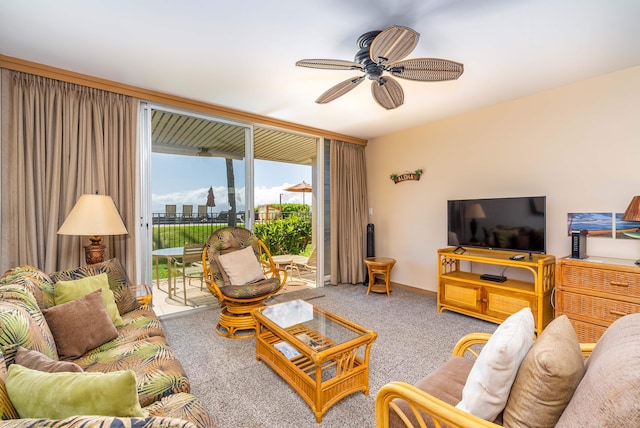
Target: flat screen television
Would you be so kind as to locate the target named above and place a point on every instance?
(515, 224)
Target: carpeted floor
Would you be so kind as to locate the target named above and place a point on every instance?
(413, 340)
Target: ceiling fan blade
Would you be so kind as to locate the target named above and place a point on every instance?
(427, 69)
(339, 90)
(393, 43)
(329, 64)
(387, 92)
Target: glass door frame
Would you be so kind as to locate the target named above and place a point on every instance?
(143, 188)
(143, 180)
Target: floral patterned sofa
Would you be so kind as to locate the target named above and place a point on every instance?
(137, 358)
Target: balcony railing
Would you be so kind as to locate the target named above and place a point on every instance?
(176, 230)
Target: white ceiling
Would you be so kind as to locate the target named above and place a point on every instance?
(241, 54)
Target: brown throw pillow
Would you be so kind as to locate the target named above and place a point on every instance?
(38, 361)
(80, 325)
(547, 379)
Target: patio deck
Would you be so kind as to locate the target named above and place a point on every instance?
(196, 298)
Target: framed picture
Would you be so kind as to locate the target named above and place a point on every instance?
(599, 225)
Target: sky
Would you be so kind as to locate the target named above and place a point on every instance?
(185, 180)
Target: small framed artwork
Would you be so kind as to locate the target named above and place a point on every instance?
(599, 225)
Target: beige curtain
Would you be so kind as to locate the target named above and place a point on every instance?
(348, 193)
(60, 140)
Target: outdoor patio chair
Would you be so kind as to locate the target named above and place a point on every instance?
(187, 212)
(239, 270)
(202, 212)
(190, 265)
(170, 213)
(311, 263)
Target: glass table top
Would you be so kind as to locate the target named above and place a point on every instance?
(298, 315)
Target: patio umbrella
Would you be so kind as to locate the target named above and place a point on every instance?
(211, 200)
(300, 187)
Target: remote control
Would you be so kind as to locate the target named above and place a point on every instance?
(517, 257)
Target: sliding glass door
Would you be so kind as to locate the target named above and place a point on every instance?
(196, 177)
(198, 174)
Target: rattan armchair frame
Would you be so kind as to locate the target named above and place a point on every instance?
(236, 320)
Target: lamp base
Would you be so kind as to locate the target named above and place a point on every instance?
(94, 253)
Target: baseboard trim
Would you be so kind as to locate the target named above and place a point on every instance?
(414, 289)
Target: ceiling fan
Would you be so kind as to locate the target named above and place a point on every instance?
(380, 52)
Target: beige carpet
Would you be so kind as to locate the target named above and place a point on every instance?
(238, 391)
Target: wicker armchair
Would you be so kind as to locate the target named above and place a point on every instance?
(239, 300)
(399, 404)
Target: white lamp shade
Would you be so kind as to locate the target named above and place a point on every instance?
(93, 215)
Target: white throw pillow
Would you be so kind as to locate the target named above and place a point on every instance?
(241, 266)
(487, 388)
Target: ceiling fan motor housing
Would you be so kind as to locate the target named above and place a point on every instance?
(372, 70)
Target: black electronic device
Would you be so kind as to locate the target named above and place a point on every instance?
(371, 250)
(578, 244)
(493, 278)
(517, 257)
(515, 224)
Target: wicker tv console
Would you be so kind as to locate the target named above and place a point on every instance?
(462, 290)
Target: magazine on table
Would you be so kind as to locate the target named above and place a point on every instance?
(287, 350)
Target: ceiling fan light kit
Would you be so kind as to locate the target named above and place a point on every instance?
(380, 52)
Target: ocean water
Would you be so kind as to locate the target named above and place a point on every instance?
(599, 221)
(590, 221)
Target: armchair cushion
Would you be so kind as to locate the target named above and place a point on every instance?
(445, 383)
(487, 388)
(241, 266)
(72, 332)
(37, 394)
(608, 394)
(548, 376)
(253, 289)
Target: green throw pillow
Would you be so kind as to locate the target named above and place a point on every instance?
(37, 394)
(66, 291)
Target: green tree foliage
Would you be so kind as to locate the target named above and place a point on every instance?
(287, 235)
(295, 208)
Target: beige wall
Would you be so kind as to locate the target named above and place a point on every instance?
(578, 145)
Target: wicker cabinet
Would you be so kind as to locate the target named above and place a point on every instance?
(461, 290)
(595, 292)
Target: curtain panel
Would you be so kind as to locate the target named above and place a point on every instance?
(348, 199)
(59, 141)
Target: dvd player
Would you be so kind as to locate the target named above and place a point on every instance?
(494, 278)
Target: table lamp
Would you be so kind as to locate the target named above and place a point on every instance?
(474, 212)
(633, 214)
(93, 215)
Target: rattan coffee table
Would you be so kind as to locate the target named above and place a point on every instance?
(322, 356)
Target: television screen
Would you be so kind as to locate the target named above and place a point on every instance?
(516, 224)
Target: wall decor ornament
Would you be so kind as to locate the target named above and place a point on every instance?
(415, 175)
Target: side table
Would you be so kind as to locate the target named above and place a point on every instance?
(380, 266)
(286, 261)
